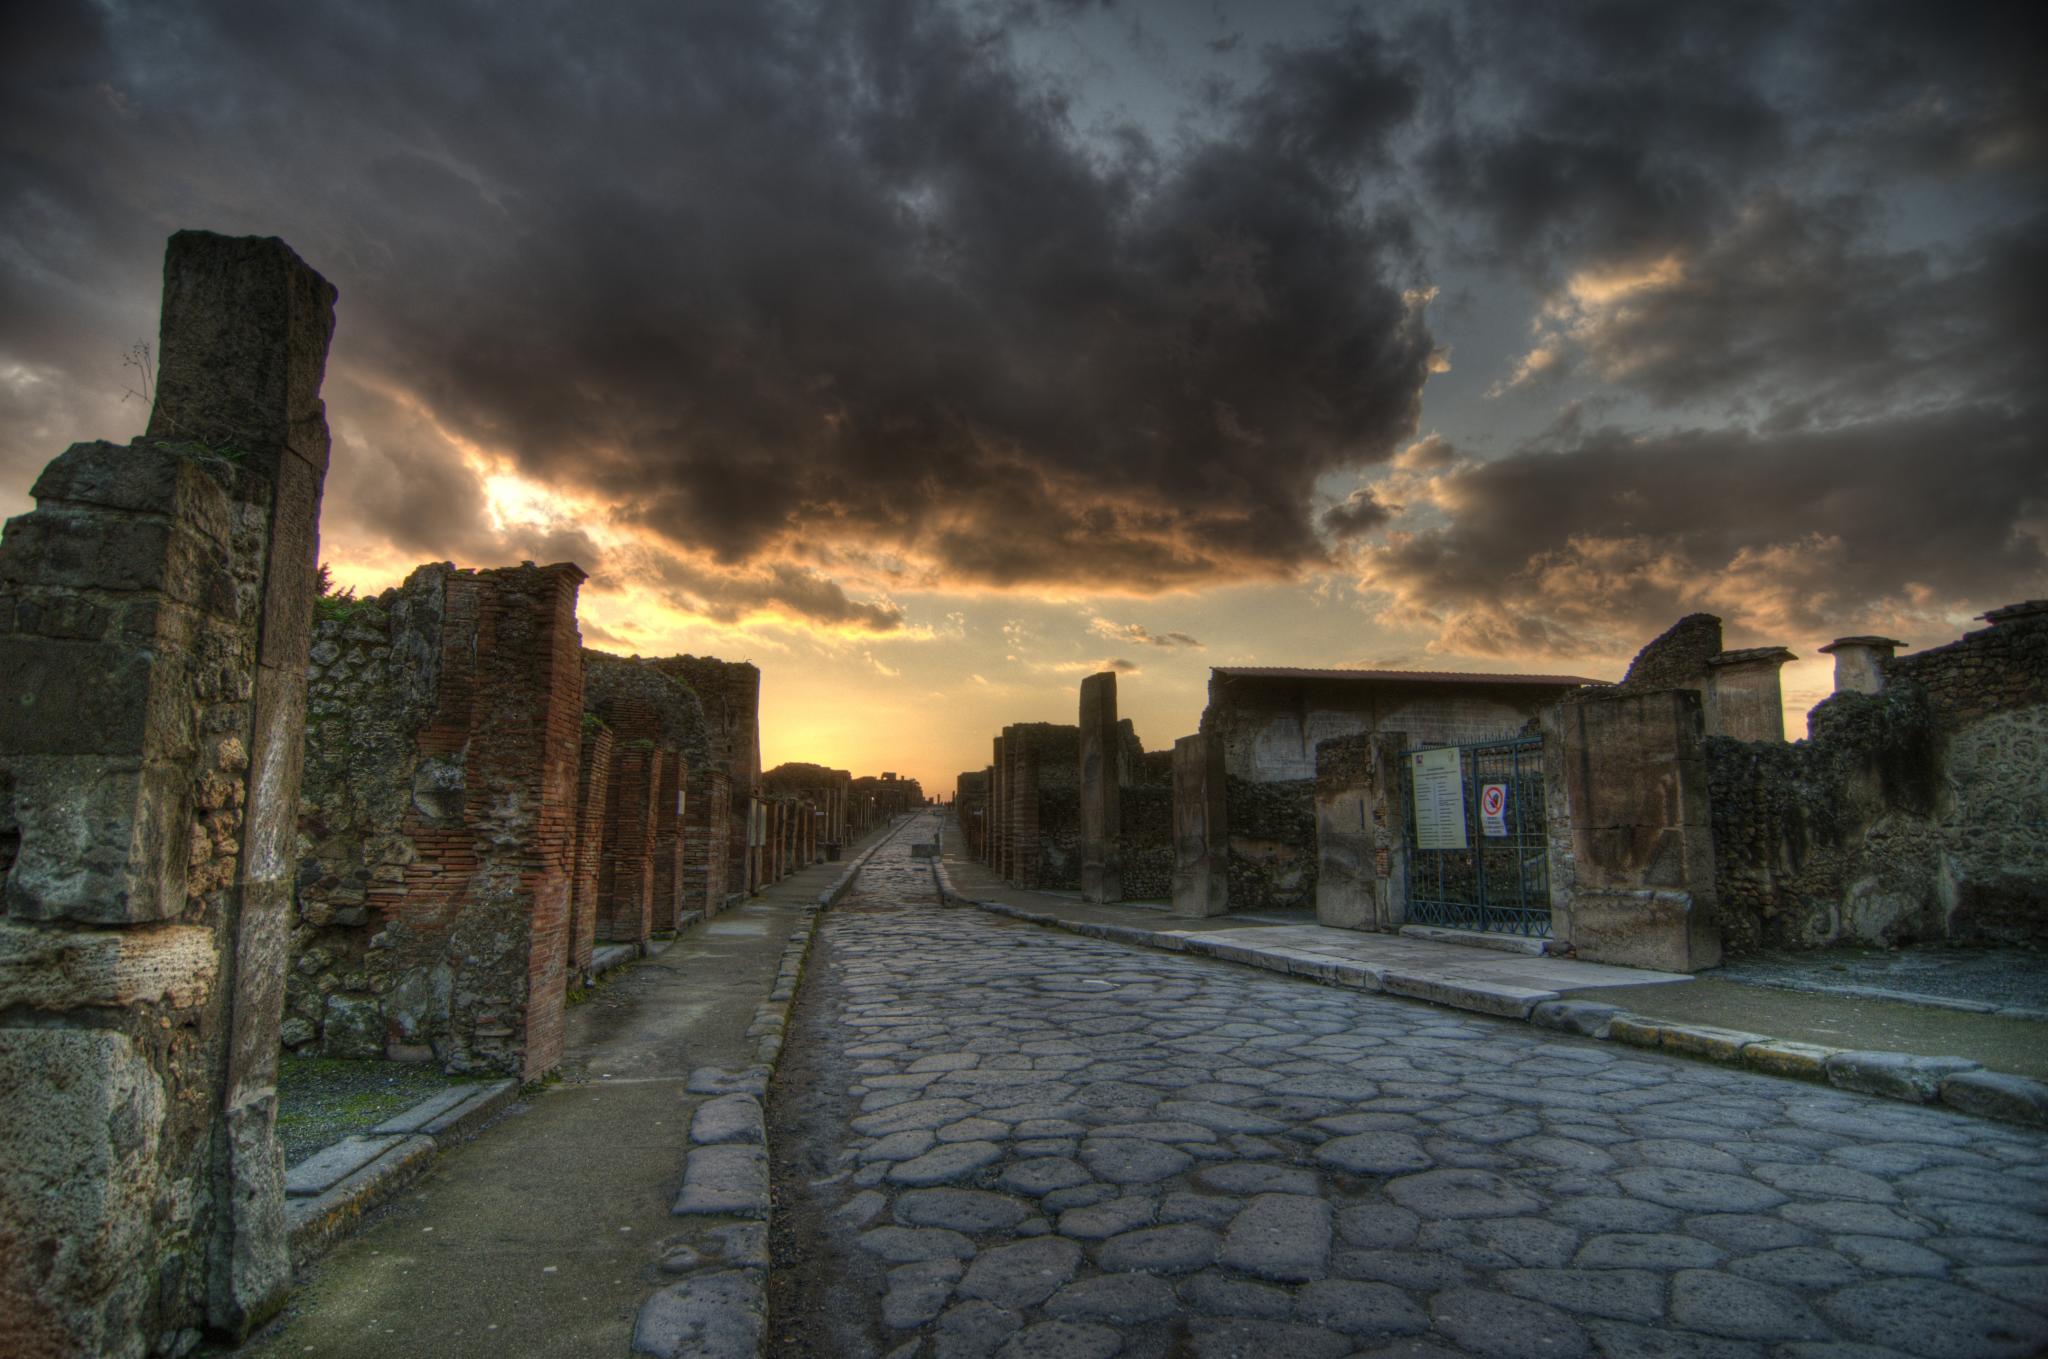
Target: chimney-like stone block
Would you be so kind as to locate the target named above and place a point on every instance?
(1744, 698)
(1201, 838)
(1860, 662)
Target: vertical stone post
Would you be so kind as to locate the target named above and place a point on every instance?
(668, 840)
(593, 779)
(1346, 839)
(155, 616)
(1642, 846)
(1201, 838)
(998, 809)
(1860, 662)
(1744, 698)
(1101, 777)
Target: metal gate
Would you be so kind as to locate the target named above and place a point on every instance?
(1498, 878)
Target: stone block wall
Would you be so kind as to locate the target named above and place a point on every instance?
(153, 627)
(1916, 813)
(440, 822)
(1361, 832)
(1040, 810)
(970, 808)
(1145, 840)
(1272, 844)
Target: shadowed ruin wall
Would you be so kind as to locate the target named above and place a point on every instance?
(439, 816)
(1916, 813)
(1145, 821)
(153, 631)
(707, 841)
(1042, 809)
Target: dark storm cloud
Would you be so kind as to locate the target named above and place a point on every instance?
(764, 272)
(1619, 131)
(1576, 548)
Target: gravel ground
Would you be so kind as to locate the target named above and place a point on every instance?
(324, 1099)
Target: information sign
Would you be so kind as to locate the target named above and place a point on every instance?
(1439, 799)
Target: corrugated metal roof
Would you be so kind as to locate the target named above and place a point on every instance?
(1399, 676)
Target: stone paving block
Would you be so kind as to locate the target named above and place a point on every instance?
(328, 1167)
(1634, 1030)
(1366, 1310)
(945, 1163)
(1496, 1327)
(1178, 1249)
(1777, 1057)
(1894, 1075)
(706, 1316)
(1374, 1153)
(1706, 1040)
(1715, 1303)
(728, 1118)
(1123, 1299)
(711, 1080)
(1022, 1274)
(725, 1180)
(1991, 1094)
(425, 1112)
(1584, 1017)
(1285, 1237)
(902, 1245)
(963, 1210)
(918, 1292)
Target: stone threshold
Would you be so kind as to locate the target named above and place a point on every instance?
(1499, 943)
(720, 1307)
(331, 1191)
(1955, 1082)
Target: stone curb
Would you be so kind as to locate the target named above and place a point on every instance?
(346, 1181)
(723, 1313)
(1955, 1082)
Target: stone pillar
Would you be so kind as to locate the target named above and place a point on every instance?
(1642, 847)
(1860, 661)
(593, 777)
(1101, 776)
(155, 612)
(1744, 699)
(1201, 838)
(706, 809)
(998, 810)
(668, 840)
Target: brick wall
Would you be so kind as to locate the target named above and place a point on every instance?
(593, 783)
(440, 811)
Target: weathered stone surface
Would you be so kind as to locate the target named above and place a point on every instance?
(1585, 1017)
(964, 1210)
(706, 1316)
(1042, 1175)
(1125, 1299)
(1461, 1193)
(1991, 1094)
(1497, 1327)
(1722, 1304)
(1280, 1236)
(905, 1244)
(46, 969)
(1894, 1075)
(1177, 1249)
(1122, 1160)
(1374, 1153)
(725, 1179)
(728, 1118)
(918, 1292)
(973, 1330)
(944, 1164)
(1023, 1274)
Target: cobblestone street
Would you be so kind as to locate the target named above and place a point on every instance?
(1026, 1143)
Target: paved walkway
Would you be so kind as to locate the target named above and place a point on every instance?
(1514, 981)
(1049, 1144)
(1504, 983)
(542, 1236)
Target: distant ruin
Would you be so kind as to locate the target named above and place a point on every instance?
(1653, 822)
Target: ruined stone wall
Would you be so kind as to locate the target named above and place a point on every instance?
(1913, 814)
(1042, 809)
(1272, 844)
(154, 610)
(1145, 839)
(439, 819)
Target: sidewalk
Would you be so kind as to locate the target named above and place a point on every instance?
(543, 1236)
(1995, 1061)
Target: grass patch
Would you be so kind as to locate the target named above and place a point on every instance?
(321, 1100)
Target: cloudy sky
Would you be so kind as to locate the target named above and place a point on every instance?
(933, 355)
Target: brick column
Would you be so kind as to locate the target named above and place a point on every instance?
(593, 779)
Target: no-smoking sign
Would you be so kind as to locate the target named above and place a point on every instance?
(1493, 808)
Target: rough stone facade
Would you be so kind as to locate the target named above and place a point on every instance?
(1361, 831)
(1270, 724)
(153, 629)
(707, 841)
(1041, 806)
(1145, 821)
(439, 820)
(661, 737)
(1913, 813)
